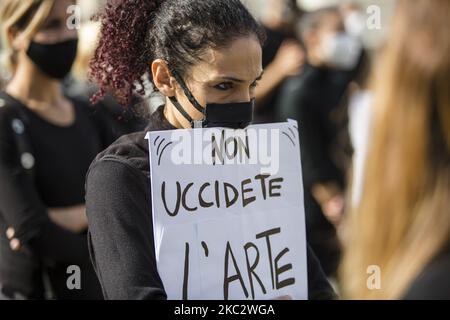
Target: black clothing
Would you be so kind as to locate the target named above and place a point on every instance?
(312, 98)
(433, 283)
(120, 222)
(61, 158)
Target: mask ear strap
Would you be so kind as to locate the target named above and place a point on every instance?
(181, 110)
(186, 90)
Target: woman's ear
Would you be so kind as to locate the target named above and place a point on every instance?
(16, 39)
(162, 78)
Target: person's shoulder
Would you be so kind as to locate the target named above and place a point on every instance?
(434, 282)
(130, 150)
(79, 101)
(4, 113)
(83, 105)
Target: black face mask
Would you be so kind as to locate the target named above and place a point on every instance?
(228, 115)
(55, 60)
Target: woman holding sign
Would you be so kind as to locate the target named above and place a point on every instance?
(196, 53)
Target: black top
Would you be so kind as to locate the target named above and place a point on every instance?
(433, 283)
(58, 159)
(120, 222)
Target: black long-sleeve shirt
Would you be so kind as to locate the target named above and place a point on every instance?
(120, 223)
(62, 156)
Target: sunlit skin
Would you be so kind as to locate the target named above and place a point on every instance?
(223, 75)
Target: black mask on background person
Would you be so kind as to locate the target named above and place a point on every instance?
(56, 59)
(228, 115)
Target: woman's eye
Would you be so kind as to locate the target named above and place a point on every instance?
(224, 86)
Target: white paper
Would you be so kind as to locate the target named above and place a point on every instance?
(192, 246)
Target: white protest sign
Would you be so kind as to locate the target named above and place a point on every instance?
(228, 214)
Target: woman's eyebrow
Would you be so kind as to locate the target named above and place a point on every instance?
(239, 80)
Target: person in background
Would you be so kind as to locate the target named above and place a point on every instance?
(313, 98)
(191, 66)
(400, 229)
(121, 120)
(283, 55)
(47, 141)
(357, 101)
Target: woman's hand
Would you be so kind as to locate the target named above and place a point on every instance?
(331, 200)
(71, 218)
(14, 243)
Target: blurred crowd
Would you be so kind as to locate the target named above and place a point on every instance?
(374, 132)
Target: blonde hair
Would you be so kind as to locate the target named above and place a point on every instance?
(403, 219)
(25, 16)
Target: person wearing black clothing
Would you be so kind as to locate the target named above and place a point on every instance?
(120, 120)
(313, 98)
(223, 67)
(47, 141)
(399, 229)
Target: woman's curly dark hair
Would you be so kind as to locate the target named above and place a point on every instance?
(136, 32)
